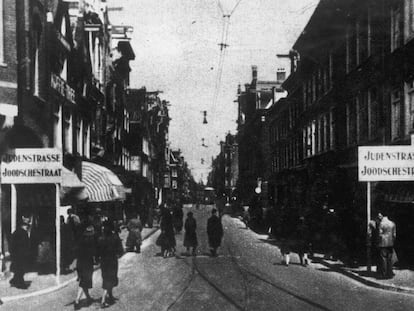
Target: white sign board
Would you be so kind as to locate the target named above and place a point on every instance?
(386, 163)
(31, 166)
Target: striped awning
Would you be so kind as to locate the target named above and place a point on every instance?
(101, 184)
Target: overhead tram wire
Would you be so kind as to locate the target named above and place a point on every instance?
(223, 45)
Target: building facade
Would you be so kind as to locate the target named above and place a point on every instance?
(352, 86)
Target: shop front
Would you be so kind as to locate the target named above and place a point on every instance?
(31, 180)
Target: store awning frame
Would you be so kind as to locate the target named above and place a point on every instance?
(101, 184)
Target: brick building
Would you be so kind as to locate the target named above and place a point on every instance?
(352, 86)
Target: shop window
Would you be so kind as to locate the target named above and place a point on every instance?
(395, 27)
(395, 114)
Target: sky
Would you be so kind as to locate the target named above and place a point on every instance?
(176, 43)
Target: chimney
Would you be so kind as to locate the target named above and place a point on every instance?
(254, 72)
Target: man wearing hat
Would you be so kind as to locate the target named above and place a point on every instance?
(20, 252)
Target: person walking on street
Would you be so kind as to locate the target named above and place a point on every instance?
(167, 237)
(302, 234)
(86, 253)
(109, 250)
(190, 237)
(178, 217)
(214, 232)
(134, 239)
(386, 238)
(20, 252)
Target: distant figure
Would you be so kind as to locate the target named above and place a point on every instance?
(386, 238)
(20, 252)
(74, 223)
(134, 239)
(246, 216)
(302, 235)
(167, 237)
(109, 250)
(86, 253)
(177, 214)
(214, 232)
(190, 237)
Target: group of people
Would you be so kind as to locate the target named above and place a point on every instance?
(169, 227)
(95, 242)
(98, 247)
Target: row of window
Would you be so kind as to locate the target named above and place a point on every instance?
(318, 83)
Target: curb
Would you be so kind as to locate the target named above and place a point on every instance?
(60, 286)
(356, 277)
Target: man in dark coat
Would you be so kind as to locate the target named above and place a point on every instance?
(20, 252)
(214, 232)
(177, 217)
(190, 236)
(109, 250)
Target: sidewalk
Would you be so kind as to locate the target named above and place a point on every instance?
(43, 284)
(403, 280)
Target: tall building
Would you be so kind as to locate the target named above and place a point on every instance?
(352, 86)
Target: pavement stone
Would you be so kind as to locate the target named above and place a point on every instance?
(43, 284)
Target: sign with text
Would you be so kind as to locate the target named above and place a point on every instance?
(386, 163)
(60, 86)
(31, 166)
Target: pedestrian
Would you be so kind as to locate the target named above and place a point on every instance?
(302, 240)
(387, 234)
(190, 236)
(178, 217)
(285, 250)
(67, 246)
(134, 239)
(214, 232)
(109, 250)
(74, 223)
(246, 216)
(85, 255)
(167, 237)
(20, 252)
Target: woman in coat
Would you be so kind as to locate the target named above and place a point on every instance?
(85, 255)
(167, 242)
(109, 250)
(190, 237)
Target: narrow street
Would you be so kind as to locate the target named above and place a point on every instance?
(247, 275)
